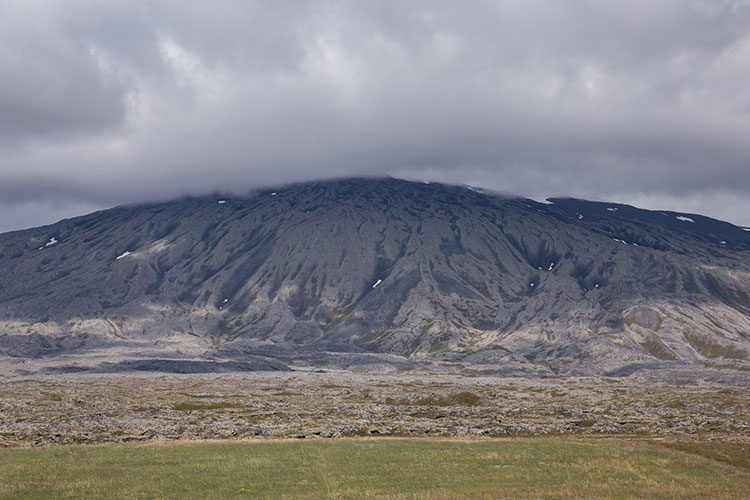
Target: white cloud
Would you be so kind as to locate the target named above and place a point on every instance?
(107, 103)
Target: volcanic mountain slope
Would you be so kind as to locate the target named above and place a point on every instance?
(360, 271)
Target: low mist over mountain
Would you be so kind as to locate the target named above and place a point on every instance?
(378, 274)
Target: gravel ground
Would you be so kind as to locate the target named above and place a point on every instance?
(77, 408)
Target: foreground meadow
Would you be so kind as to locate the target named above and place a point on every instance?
(549, 467)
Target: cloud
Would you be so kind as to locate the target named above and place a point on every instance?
(124, 101)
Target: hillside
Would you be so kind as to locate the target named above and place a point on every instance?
(377, 273)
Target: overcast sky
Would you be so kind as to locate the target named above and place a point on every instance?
(109, 102)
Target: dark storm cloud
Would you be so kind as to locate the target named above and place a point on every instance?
(631, 100)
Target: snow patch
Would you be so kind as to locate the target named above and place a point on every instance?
(274, 193)
(551, 265)
(746, 228)
(377, 283)
(684, 219)
(221, 202)
(125, 254)
(225, 301)
(722, 243)
(51, 242)
(531, 284)
(612, 209)
(620, 241)
(580, 216)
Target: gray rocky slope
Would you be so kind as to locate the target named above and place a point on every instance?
(379, 272)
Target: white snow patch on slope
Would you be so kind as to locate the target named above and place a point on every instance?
(221, 202)
(746, 228)
(684, 219)
(612, 209)
(123, 255)
(274, 193)
(377, 283)
(51, 242)
(551, 265)
(620, 241)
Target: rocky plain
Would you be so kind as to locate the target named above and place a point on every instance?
(317, 404)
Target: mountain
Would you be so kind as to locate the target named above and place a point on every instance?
(378, 273)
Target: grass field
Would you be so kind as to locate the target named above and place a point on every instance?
(357, 468)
